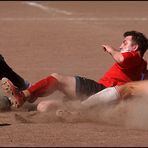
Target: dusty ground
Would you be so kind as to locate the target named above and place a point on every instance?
(66, 37)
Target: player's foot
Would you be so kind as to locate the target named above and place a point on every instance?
(16, 98)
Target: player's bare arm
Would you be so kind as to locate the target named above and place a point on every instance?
(114, 52)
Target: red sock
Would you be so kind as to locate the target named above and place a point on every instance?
(42, 87)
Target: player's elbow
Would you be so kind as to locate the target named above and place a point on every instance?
(119, 58)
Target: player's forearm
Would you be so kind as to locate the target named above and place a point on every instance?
(114, 52)
(117, 56)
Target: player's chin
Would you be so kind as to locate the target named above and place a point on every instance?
(5, 104)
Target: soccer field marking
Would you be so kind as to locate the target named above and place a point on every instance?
(46, 8)
(95, 19)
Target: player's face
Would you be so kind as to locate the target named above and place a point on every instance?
(127, 44)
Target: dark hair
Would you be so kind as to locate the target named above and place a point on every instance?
(140, 39)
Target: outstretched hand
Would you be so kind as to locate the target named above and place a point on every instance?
(114, 53)
(108, 48)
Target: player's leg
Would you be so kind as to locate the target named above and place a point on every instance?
(106, 96)
(42, 88)
(71, 86)
(78, 87)
(47, 86)
(67, 85)
(8, 72)
(116, 94)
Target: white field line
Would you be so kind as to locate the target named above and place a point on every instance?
(73, 19)
(47, 9)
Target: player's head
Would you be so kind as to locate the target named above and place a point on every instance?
(5, 104)
(139, 41)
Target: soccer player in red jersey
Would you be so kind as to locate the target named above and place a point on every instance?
(129, 66)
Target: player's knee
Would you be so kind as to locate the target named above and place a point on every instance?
(56, 75)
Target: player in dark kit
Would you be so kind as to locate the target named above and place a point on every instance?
(18, 81)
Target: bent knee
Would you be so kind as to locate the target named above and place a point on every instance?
(57, 76)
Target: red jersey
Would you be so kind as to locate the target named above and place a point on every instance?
(130, 69)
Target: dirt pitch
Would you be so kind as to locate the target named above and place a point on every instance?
(39, 38)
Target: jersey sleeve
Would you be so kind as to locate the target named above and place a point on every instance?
(130, 60)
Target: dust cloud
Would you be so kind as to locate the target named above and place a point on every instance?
(132, 114)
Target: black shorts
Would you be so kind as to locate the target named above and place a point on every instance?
(87, 87)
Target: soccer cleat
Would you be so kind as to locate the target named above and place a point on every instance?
(16, 98)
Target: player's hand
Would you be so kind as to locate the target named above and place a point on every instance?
(108, 48)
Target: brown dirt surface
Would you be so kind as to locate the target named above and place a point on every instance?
(39, 38)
